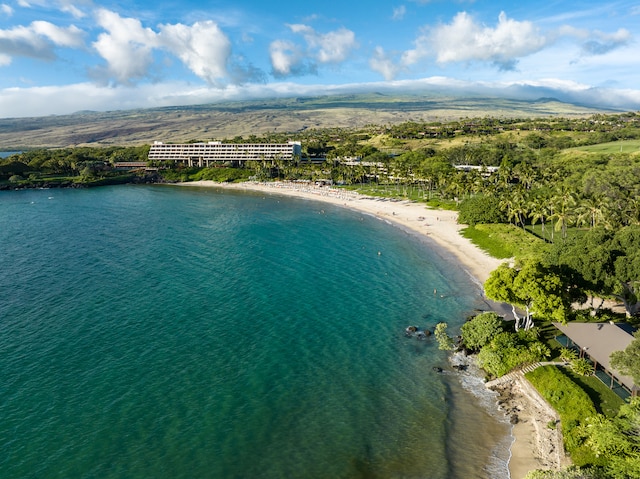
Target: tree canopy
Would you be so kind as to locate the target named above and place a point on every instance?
(628, 361)
(533, 287)
(480, 330)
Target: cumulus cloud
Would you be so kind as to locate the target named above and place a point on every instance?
(332, 47)
(38, 40)
(71, 37)
(465, 40)
(380, 62)
(202, 47)
(128, 49)
(289, 58)
(127, 46)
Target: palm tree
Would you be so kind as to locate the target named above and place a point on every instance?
(519, 206)
(568, 354)
(632, 211)
(582, 367)
(590, 211)
(539, 211)
(525, 174)
(563, 209)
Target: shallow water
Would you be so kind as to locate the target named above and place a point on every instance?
(175, 332)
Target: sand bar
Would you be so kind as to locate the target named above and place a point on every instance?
(442, 227)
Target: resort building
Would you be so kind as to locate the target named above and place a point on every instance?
(596, 342)
(216, 152)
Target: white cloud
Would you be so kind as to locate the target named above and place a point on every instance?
(69, 7)
(6, 9)
(382, 64)
(66, 37)
(332, 47)
(465, 40)
(66, 6)
(285, 57)
(288, 58)
(202, 47)
(399, 12)
(38, 40)
(595, 42)
(39, 101)
(127, 46)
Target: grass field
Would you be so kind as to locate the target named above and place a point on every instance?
(622, 146)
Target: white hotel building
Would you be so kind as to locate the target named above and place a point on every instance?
(215, 152)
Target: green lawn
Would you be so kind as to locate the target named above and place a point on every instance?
(622, 146)
(604, 399)
(504, 241)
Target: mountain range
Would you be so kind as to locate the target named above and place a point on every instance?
(220, 121)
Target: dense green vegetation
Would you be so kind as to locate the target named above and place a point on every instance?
(628, 361)
(607, 447)
(69, 166)
(572, 404)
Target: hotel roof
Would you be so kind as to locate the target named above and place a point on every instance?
(599, 340)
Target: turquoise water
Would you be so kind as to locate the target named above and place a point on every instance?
(164, 332)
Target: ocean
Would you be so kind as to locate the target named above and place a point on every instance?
(176, 332)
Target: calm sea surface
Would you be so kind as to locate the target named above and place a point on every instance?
(165, 332)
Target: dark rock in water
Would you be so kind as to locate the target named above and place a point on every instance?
(437, 369)
(426, 332)
(514, 419)
(460, 367)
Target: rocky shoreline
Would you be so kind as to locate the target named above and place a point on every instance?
(535, 426)
(146, 179)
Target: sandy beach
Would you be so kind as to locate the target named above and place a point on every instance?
(535, 445)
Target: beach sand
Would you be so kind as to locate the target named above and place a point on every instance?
(535, 445)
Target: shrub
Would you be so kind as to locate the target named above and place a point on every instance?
(508, 351)
(572, 404)
(568, 354)
(480, 330)
(445, 342)
(480, 209)
(569, 473)
(582, 367)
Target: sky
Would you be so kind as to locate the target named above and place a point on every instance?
(63, 56)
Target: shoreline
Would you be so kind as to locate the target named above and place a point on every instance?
(438, 225)
(441, 227)
(538, 445)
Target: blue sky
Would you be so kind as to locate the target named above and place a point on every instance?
(62, 56)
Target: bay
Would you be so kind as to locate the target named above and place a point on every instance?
(150, 331)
